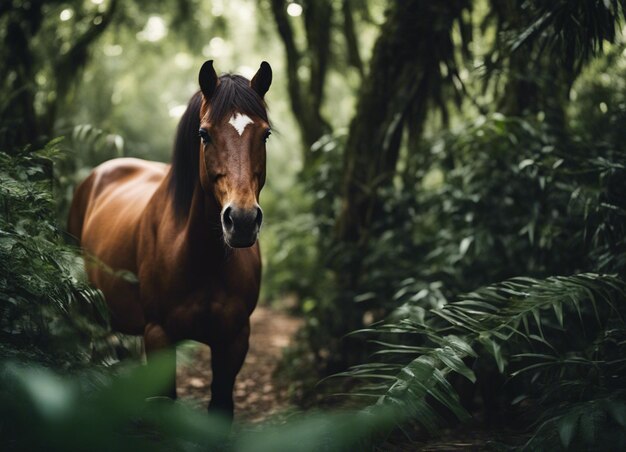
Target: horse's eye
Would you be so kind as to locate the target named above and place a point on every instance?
(204, 135)
(267, 134)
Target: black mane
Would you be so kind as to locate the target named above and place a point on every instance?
(233, 94)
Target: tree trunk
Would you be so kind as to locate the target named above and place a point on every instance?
(17, 111)
(306, 96)
(404, 76)
(22, 123)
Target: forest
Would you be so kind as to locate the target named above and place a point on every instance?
(444, 223)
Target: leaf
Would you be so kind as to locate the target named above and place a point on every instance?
(365, 297)
(537, 317)
(465, 244)
(558, 311)
(531, 31)
(496, 352)
(567, 426)
(456, 364)
(588, 425)
(460, 344)
(524, 163)
(617, 410)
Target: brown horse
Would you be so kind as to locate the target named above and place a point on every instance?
(188, 231)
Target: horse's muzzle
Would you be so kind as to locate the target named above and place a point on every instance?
(241, 226)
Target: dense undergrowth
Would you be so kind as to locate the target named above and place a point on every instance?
(496, 277)
(48, 313)
(542, 350)
(492, 284)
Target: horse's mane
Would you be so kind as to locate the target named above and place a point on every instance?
(233, 94)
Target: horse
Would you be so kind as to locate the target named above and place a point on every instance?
(188, 231)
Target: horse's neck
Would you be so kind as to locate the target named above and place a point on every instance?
(203, 228)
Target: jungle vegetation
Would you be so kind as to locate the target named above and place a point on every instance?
(445, 205)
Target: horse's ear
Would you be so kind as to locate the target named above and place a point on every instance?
(262, 79)
(208, 79)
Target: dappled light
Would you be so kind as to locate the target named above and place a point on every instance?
(312, 225)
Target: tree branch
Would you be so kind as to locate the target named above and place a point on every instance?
(349, 32)
(306, 101)
(293, 55)
(317, 19)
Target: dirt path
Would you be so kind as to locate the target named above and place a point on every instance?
(256, 397)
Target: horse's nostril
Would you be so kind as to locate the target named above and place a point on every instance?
(259, 217)
(227, 219)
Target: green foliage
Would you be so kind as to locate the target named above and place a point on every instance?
(598, 424)
(577, 29)
(46, 312)
(85, 147)
(289, 244)
(492, 206)
(41, 410)
(560, 340)
(497, 198)
(46, 46)
(44, 411)
(489, 206)
(599, 106)
(304, 232)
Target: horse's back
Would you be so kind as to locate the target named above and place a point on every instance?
(105, 216)
(118, 188)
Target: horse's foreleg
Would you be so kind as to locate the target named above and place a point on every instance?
(156, 340)
(226, 361)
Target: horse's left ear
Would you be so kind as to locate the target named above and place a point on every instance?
(208, 79)
(262, 79)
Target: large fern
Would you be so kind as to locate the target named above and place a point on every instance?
(529, 327)
(46, 312)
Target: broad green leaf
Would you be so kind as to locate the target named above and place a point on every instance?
(567, 426)
(617, 409)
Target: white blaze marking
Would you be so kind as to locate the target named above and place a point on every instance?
(239, 122)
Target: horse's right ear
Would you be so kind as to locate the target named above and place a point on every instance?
(208, 79)
(262, 79)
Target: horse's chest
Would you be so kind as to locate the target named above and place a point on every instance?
(207, 314)
(209, 318)
(200, 302)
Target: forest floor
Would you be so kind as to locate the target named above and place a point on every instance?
(257, 397)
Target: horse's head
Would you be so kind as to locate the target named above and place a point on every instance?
(234, 128)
